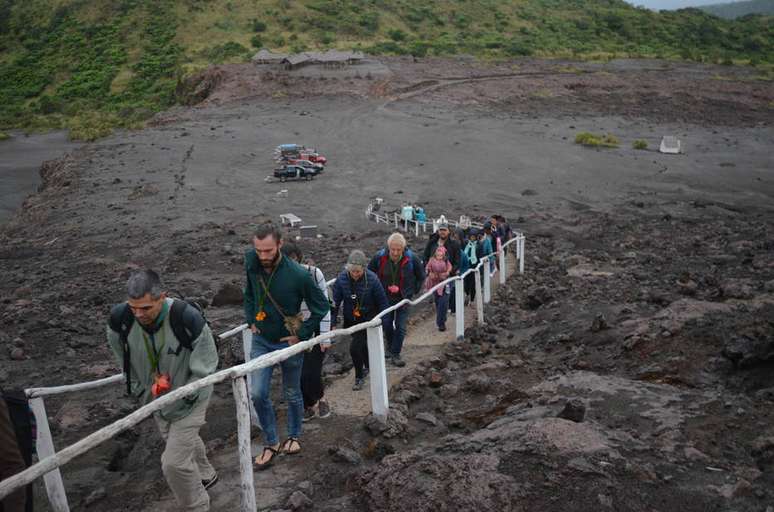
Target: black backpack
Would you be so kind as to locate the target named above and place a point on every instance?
(23, 422)
(122, 320)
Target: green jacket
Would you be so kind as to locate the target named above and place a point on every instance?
(291, 285)
(183, 365)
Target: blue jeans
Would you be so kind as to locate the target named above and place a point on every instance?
(441, 307)
(260, 381)
(395, 329)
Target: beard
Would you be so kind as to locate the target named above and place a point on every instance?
(269, 264)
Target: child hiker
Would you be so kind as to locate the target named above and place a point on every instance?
(438, 269)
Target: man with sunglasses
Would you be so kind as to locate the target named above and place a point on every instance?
(157, 359)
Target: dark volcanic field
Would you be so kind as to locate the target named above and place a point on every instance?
(627, 369)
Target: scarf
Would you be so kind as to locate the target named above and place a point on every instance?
(470, 252)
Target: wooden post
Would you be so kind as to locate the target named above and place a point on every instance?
(247, 484)
(521, 254)
(479, 298)
(487, 283)
(503, 272)
(380, 404)
(459, 307)
(247, 346)
(45, 447)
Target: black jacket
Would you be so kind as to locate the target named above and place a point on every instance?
(452, 252)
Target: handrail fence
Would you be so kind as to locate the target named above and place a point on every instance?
(50, 460)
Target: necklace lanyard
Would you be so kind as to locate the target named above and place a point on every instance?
(261, 315)
(154, 356)
(356, 308)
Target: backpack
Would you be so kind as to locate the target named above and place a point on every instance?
(122, 320)
(24, 426)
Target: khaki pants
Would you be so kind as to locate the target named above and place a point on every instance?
(184, 461)
(11, 461)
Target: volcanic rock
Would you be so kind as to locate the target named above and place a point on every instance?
(574, 410)
(229, 295)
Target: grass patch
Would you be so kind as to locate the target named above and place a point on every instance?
(640, 144)
(4, 136)
(91, 126)
(593, 140)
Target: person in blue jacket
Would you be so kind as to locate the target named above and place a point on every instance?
(402, 274)
(359, 295)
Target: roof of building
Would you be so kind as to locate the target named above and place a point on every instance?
(267, 55)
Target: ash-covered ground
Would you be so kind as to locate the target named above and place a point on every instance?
(646, 310)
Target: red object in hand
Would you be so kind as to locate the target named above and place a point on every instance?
(160, 385)
(393, 288)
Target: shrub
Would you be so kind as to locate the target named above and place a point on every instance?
(90, 126)
(590, 139)
(639, 144)
(278, 41)
(396, 34)
(220, 53)
(259, 26)
(4, 136)
(256, 41)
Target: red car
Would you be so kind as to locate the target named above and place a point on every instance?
(313, 157)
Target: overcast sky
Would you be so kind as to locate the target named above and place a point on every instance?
(674, 4)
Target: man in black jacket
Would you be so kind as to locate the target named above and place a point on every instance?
(453, 253)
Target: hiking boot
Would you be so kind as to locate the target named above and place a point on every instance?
(209, 483)
(310, 413)
(441, 328)
(358, 385)
(397, 361)
(323, 409)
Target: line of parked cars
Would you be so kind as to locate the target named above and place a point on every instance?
(297, 162)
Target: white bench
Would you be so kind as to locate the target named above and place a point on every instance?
(289, 219)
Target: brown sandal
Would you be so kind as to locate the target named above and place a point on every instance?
(287, 446)
(261, 466)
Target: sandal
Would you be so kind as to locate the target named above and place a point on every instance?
(287, 446)
(261, 466)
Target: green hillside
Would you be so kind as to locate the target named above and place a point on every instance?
(91, 65)
(739, 9)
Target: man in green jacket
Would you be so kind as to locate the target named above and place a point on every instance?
(275, 287)
(143, 328)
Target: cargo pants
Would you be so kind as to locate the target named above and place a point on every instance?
(184, 461)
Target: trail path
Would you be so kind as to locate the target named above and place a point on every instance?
(423, 341)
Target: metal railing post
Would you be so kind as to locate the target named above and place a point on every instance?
(247, 346)
(487, 282)
(479, 298)
(396, 220)
(380, 404)
(247, 484)
(459, 306)
(45, 448)
(521, 253)
(416, 229)
(503, 273)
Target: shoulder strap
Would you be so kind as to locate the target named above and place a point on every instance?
(186, 327)
(121, 321)
(276, 305)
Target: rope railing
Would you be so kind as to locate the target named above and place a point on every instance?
(50, 460)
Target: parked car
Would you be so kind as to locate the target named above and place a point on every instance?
(305, 163)
(313, 157)
(294, 171)
(298, 151)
